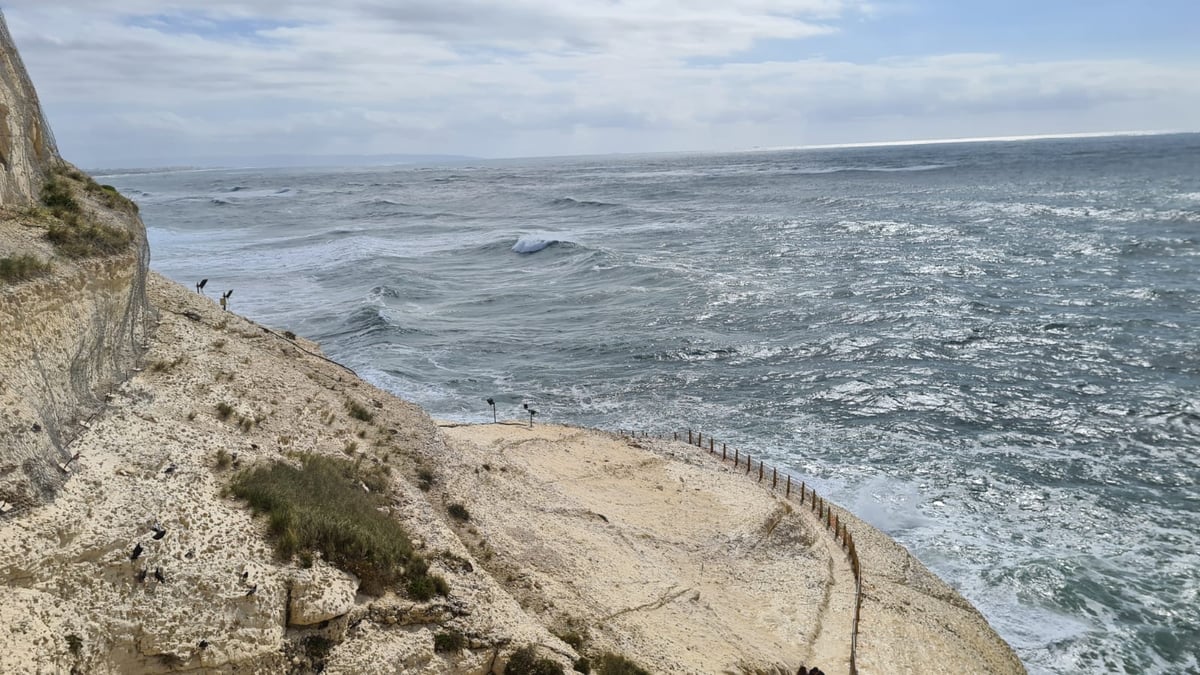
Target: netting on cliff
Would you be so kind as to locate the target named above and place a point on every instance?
(41, 135)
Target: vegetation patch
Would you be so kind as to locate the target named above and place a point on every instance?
(525, 661)
(163, 366)
(21, 268)
(458, 512)
(358, 411)
(77, 239)
(425, 479)
(449, 641)
(224, 410)
(615, 664)
(57, 196)
(321, 506)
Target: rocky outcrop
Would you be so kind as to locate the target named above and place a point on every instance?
(27, 149)
(67, 337)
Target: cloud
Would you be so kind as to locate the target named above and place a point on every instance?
(527, 77)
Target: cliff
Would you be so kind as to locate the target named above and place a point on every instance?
(73, 309)
(183, 490)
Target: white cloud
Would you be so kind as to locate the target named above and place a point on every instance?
(533, 77)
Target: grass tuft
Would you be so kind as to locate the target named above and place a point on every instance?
(76, 239)
(21, 268)
(525, 661)
(321, 506)
(458, 512)
(358, 411)
(224, 410)
(449, 641)
(57, 196)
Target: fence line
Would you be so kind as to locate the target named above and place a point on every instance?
(819, 507)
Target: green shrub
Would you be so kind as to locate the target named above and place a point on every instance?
(582, 665)
(424, 587)
(321, 506)
(56, 196)
(224, 410)
(21, 268)
(458, 512)
(615, 664)
(525, 661)
(450, 641)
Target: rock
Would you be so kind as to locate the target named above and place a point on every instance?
(320, 594)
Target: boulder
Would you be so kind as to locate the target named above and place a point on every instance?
(320, 594)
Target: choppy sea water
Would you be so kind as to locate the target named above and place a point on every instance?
(988, 350)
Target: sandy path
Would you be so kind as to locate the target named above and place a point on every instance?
(658, 552)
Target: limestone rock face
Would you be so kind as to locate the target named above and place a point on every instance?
(68, 338)
(27, 148)
(320, 594)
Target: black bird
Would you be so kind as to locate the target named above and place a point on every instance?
(252, 591)
(200, 286)
(492, 402)
(203, 645)
(158, 575)
(140, 576)
(137, 551)
(170, 469)
(245, 575)
(159, 531)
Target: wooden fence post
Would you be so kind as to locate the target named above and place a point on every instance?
(689, 436)
(774, 477)
(699, 439)
(802, 490)
(723, 457)
(789, 487)
(760, 471)
(737, 457)
(748, 463)
(710, 444)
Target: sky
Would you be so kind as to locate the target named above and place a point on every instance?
(206, 82)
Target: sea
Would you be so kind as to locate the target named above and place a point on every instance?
(990, 351)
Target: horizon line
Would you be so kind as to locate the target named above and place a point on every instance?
(978, 139)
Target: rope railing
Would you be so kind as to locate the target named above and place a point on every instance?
(808, 497)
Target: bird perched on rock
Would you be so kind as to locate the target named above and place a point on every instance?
(137, 551)
(200, 286)
(158, 575)
(252, 591)
(225, 299)
(141, 576)
(159, 531)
